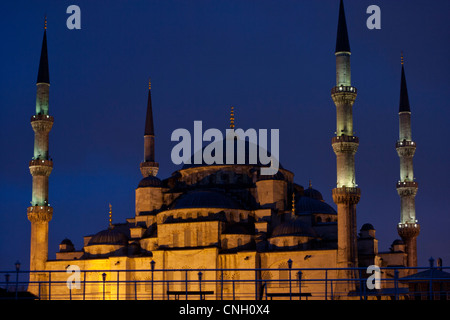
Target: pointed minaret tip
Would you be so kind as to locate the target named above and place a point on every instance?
(149, 127)
(404, 99)
(43, 73)
(342, 42)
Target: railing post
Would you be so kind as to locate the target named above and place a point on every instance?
(117, 284)
(221, 284)
(290, 283)
(17, 279)
(299, 274)
(326, 284)
(186, 283)
(49, 285)
(396, 284)
(256, 284)
(84, 285)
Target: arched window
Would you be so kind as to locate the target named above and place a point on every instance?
(319, 219)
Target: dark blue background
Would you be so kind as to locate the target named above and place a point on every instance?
(273, 60)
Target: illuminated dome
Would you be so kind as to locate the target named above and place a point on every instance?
(150, 181)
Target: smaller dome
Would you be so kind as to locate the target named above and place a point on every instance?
(398, 242)
(307, 205)
(367, 227)
(150, 181)
(109, 236)
(67, 242)
(293, 227)
(313, 194)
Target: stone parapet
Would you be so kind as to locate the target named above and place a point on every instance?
(149, 168)
(40, 213)
(348, 195)
(41, 167)
(408, 230)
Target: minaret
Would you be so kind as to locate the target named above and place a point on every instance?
(408, 228)
(346, 194)
(40, 212)
(149, 166)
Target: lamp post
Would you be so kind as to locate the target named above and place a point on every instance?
(152, 265)
(290, 286)
(104, 279)
(200, 283)
(17, 278)
(299, 274)
(7, 281)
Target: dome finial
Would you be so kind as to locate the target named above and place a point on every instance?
(310, 185)
(45, 22)
(232, 118)
(401, 58)
(149, 83)
(293, 203)
(110, 216)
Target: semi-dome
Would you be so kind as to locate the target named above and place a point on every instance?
(367, 226)
(293, 227)
(109, 236)
(150, 181)
(247, 159)
(205, 199)
(307, 205)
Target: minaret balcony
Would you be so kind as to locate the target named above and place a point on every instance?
(408, 230)
(344, 89)
(407, 184)
(40, 117)
(349, 195)
(40, 213)
(344, 138)
(405, 143)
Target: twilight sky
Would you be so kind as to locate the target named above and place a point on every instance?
(272, 60)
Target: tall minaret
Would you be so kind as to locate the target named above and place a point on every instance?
(408, 228)
(40, 212)
(149, 166)
(346, 194)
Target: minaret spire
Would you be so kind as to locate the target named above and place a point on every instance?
(342, 42)
(346, 194)
(149, 166)
(408, 228)
(40, 212)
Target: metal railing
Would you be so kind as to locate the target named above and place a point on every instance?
(227, 284)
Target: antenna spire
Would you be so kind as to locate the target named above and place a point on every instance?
(232, 118)
(110, 216)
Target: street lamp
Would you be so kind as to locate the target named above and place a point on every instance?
(104, 279)
(17, 277)
(152, 265)
(290, 285)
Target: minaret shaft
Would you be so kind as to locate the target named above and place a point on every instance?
(346, 194)
(40, 212)
(408, 228)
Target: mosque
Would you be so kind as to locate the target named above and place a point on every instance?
(218, 228)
